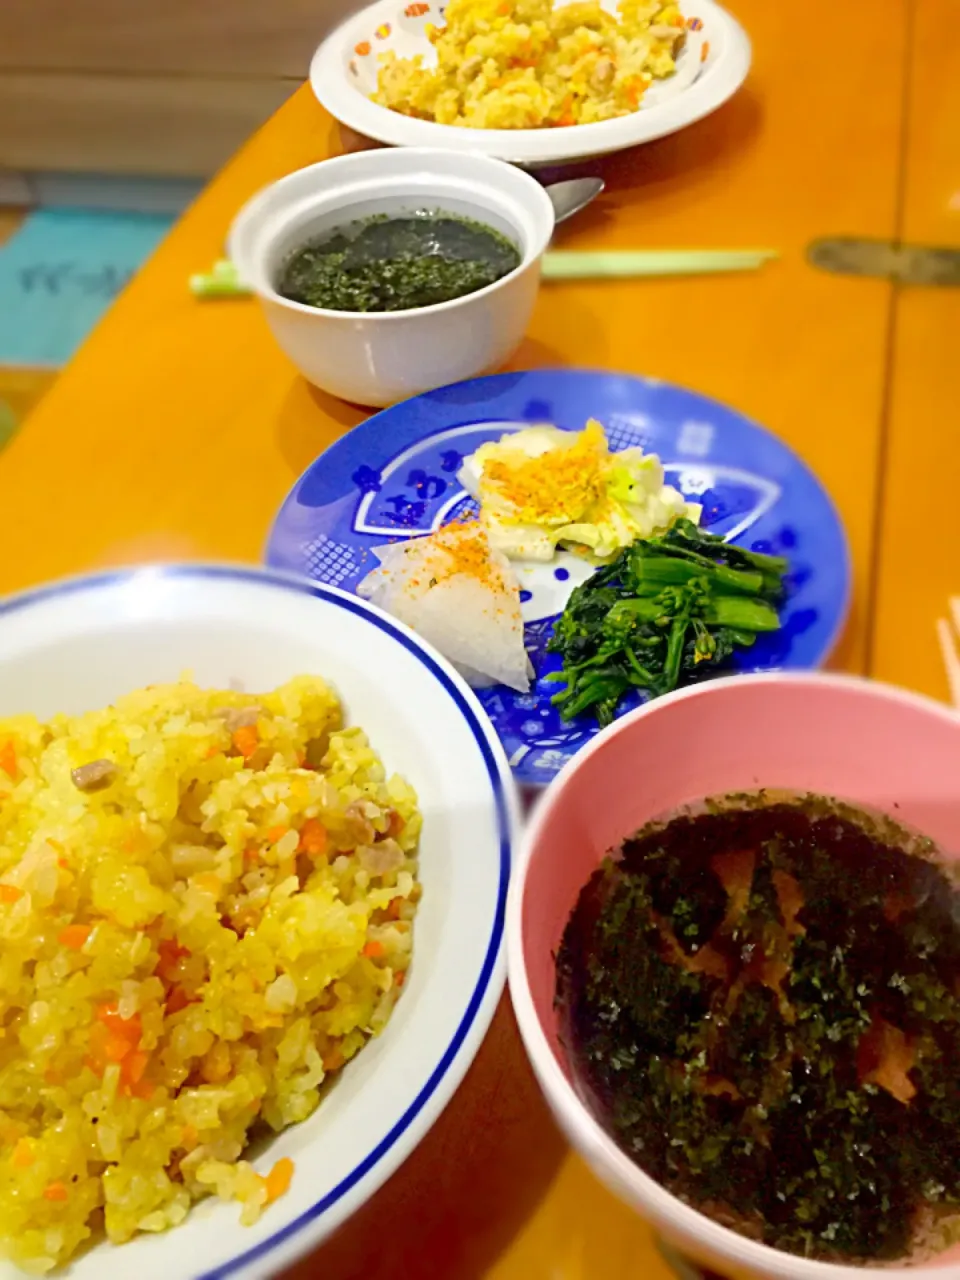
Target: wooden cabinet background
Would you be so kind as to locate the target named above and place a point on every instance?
(148, 86)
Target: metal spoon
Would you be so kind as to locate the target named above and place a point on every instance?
(572, 195)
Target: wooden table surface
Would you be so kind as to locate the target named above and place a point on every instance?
(179, 427)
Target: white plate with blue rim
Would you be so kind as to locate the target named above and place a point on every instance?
(76, 645)
(395, 476)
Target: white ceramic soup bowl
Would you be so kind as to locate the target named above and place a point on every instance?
(376, 358)
(77, 645)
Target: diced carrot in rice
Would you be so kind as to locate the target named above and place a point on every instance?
(278, 1179)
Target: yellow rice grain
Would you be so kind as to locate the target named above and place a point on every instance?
(185, 948)
(528, 64)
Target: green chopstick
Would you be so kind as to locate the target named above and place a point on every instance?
(636, 263)
(224, 282)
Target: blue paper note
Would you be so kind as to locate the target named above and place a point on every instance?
(61, 271)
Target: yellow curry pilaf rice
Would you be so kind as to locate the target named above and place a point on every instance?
(523, 64)
(206, 904)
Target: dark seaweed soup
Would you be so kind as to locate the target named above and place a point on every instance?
(394, 264)
(762, 1004)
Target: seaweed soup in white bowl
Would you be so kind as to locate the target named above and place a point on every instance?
(760, 1002)
(397, 262)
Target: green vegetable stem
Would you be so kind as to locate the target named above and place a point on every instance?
(665, 612)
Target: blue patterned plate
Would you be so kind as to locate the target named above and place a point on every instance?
(395, 476)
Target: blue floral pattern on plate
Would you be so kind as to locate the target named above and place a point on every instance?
(395, 476)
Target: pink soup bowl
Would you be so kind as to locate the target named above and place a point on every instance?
(872, 745)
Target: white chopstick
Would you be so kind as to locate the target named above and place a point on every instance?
(949, 637)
